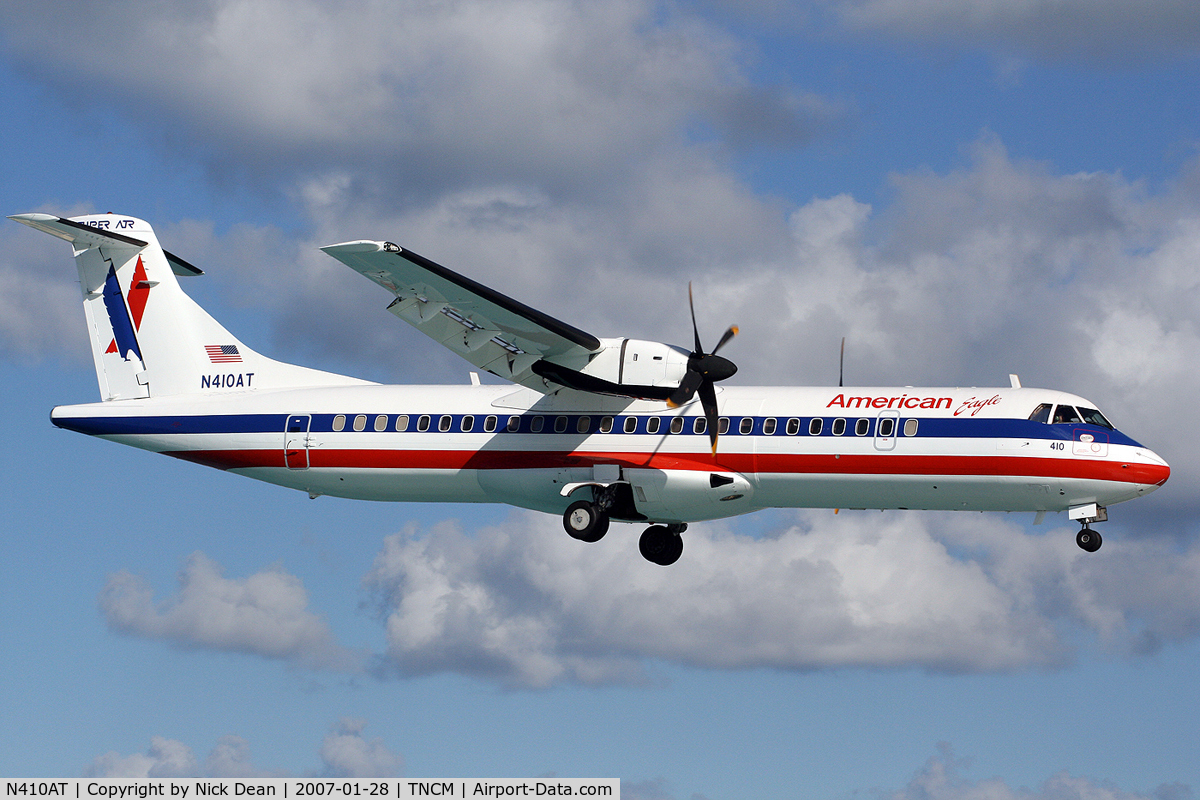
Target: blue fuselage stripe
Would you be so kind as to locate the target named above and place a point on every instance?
(937, 428)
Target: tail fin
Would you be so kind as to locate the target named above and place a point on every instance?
(149, 339)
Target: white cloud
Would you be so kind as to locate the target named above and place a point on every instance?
(346, 754)
(524, 605)
(230, 758)
(166, 758)
(941, 779)
(264, 614)
(421, 96)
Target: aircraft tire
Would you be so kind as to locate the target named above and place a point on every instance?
(659, 546)
(1088, 540)
(584, 521)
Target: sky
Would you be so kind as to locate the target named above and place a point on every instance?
(962, 190)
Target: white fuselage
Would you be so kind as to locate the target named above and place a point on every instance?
(919, 448)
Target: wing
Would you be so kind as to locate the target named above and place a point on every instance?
(488, 329)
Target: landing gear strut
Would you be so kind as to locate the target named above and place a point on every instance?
(662, 544)
(1088, 539)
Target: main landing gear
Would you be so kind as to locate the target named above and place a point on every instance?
(1088, 539)
(587, 521)
(662, 544)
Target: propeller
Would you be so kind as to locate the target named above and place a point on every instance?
(703, 371)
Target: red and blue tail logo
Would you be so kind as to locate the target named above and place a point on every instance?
(126, 320)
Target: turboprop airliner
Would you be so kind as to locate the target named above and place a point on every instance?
(591, 429)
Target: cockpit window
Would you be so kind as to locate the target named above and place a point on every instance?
(1066, 414)
(1093, 417)
(1041, 413)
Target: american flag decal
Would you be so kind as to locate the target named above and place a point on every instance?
(222, 353)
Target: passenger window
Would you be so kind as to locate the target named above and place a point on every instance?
(769, 426)
(489, 423)
(861, 427)
(814, 426)
(700, 425)
(381, 422)
(1066, 414)
(887, 426)
(1041, 413)
(360, 422)
(652, 425)
(677, 425)
(723, 426)
(910, 427)
(1093, 417)
(606, 424)
(793, 426)
(746, 425)
(444, 423)
(536, 424)
(468, 422)
(630, 424)
(402, 422)
(513, 425)
(423, 423)
(560, 424)
(339, 422)
(839, 426)
(583, 425)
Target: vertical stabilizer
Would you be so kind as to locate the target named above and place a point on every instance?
(148, 338)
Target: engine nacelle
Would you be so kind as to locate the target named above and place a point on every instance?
(689, 496)
(635, 362)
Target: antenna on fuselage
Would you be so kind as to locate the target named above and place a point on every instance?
(842, 362)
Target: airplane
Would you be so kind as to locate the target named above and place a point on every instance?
(592, 429)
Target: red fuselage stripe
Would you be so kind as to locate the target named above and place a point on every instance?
(746, 463)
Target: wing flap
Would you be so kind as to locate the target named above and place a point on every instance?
(487, 328)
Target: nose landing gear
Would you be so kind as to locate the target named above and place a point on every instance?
(1087, 539)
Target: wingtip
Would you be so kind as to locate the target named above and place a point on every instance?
(357, 246)
(26, 219)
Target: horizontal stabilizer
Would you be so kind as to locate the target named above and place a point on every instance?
(91, 236)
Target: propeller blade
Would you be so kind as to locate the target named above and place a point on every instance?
(703, 371)
(699, 349)
(708, 399)
(842, 362)
(729, 334)
(687, 387)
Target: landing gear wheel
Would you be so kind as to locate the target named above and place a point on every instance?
(660, 546)
(1088, 540)
(585, 521)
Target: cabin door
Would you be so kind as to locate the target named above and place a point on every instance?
(295, 441)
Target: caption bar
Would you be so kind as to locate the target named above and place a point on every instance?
(293, 788)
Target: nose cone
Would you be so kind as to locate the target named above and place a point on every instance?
(1153, 471)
